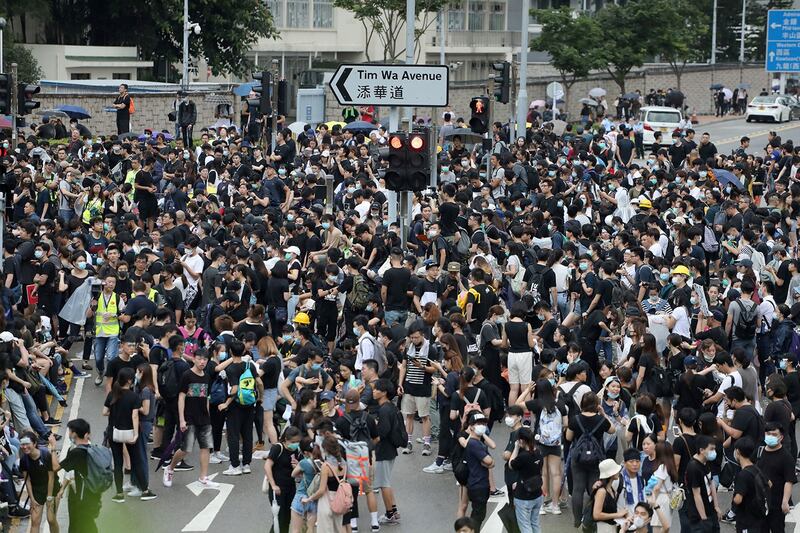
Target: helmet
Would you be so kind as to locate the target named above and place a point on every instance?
(680, 269)
(302, 318)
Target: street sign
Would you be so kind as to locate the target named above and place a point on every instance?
(783, 40)
(391, 85)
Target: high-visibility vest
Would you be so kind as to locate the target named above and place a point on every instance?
(152, 295)
(110, 327)
(92, 209)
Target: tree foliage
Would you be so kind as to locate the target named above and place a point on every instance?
(682, 29)
(385, 20)
(629, 41)
(28, 70)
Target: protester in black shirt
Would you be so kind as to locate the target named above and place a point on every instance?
(702, 506)
(777, 465)
(749, 508)
(83, 504)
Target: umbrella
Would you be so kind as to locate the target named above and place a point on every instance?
(129, 135)
(588, 101)
(298, 127)
(245, 88)
(743, 86)
(630, 96)
(716, 87)
(536, 103)
(74, 111)
(52, 113)
(333, 123)
(5, 123)
(727, 92)
(360, 126)
(597, 92)
(464, 133)
(559, 126)
(218, 99)
(167, 136)
(724, 177)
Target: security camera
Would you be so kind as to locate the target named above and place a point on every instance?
(197, 29)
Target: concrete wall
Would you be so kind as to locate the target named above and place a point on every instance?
(151, 111)
(695, 84)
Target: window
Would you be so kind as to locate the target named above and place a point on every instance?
(276, 8)
(80, 76)
(497, 18)
(323, 14)
(477, 13)
(297, 15)
(120, 76)
(455, 17)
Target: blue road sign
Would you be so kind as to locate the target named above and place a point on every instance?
(783, 40)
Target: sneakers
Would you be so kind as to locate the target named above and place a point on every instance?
(434, 469)
(544, 510)
(497, 492)
(223, 456)
(729, 517)
(408, 450)
(52, 422)
(233, 471)
(127, 486)
(426, 449)
(420, 440)
(447, 465)
(21, 512)
(98, 379)
(213, 459)
(135, 492)
(183, 467)
(393, 518)
(376, 527)
(246, 469)
(155, 455)
(208, 484)
(147, 495)
(554, 509)
(118, 498)
(166, 480)
(86, 366)
(259, 447)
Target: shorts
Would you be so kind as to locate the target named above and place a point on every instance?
(200, 433)
(395, 317)
(420, 405)
(270, 399)
(550, 450)
(520, 367)
(383, 474)
(303, 509)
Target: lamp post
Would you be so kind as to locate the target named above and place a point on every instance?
(2, 27)
(188, 27)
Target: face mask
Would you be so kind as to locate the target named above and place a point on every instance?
(316, 366)
(552, 381)
(445, 169)
(612, 188)
(771, 440)
(602, 146)
(99, 261)
(584, 267)
(551, 173)
(711, 456)
(123, 274)
(223, 356)
(675, 280)
(726, 282)
(690, 183)
(561, 203)
(612, 395)
(654, 298)
(540, 316)
(332, 279)
(293, 446)
(576, 161)
(351, 190)
(693, 300)
(433, 234)
(708, 358)
(290, 217)
(739, 276)
(703, 173)
(480, 430)
(638, 522)
(356, 332)
(782, 364)
(288, 256)
(38, 254)
(81, 265)
(282, 171)
(326, 225)
(465, 163)
(650, 162)
(369, 308)
(509, 420)
(562, 160)
(286, 337)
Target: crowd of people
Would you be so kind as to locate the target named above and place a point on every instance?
(631, 321)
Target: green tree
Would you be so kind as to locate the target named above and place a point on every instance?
(682, 28)
(628, 42)
(28, 70)
(570, 41)
(385, 20)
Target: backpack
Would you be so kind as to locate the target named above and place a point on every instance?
(246, 394)
(463, 298)
(99, 469)
(219, 391)
(470, 407)
(587, 450)
(461, 248)
(659, 382)
(191, 340)
(746, 324)
(617, 294)
(204, 320)
(761, 507)
(359, 295)
(569, 400)
(398, 436)
(709, 243)
(460, 467)
(496, 402)
(534, 288)
(357, 451)
(342, 500)
(550, 427)
(168, 379)
(473, 350)
(379, 355)
(794, 347)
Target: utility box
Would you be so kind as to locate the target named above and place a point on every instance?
(311, 105)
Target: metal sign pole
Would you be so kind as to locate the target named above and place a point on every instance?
(273, 98)
(14, 106)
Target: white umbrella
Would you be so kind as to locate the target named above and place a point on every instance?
(597, 92)
(536, 103)
(297, 127)
(728, 93)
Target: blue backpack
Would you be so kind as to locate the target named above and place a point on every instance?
(246, 395)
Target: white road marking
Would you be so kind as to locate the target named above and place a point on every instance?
(794, 516)
(202, 521)
(493, 524)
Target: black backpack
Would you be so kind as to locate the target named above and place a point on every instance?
(398, 437)
(746, 325)
(535, 286)
(168, 379)
(359, 428)
(760, 506)
(496, 402)
(460, 468)
(569, 401)
(587, 450)
(659, 382)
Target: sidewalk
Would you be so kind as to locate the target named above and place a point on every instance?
(705, 120)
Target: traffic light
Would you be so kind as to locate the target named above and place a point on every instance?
(5, 94)
(261, 102)
(502, 81)
(395, 176)
(419, 162)
(479, 123)
(25, 102)
(283, 97)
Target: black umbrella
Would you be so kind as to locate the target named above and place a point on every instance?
(464, 133)
(716, 87)
(360, 126)
(129, 135)
(630, 96)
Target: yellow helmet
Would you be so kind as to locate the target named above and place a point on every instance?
(302, 318)
(680, 269)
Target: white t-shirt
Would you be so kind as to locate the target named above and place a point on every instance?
(682, 325)
(562, 277)
(731, 380)
(195, 262)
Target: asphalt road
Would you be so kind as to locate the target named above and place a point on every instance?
(726, 134)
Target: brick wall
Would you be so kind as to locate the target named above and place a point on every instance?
(151, 111)
(695, 84)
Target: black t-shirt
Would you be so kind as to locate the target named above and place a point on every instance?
(281, 458)
(137, 303)
(480, 306)
(747, 420)
(272, 371)
(698, 475)
(777, 467)
(276, 288)
(245, 327)
(528, 466)
(76, 461)
(234, 371)
(196, 389)
(780, 412)
(448, 213)
(387, 416)
(457, 403)
(114, 366)
(685, 446)
(121, 416)
(745, 485)
(589, 423)
(396, 280)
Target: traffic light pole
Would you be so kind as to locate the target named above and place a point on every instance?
(489, 130)
(273, 97)
(14, 106)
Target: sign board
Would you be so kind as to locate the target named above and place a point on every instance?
(783, 40)
(391, 85)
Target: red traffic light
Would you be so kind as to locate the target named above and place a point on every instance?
(478, 106)
(396, 142)
(417, 142)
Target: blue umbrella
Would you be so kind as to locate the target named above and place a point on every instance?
(75, 111)
(360, 125)
(724, 177)
(167, 136)
(716, 87)
(245, 88)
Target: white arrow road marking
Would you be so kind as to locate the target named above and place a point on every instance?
(202, 521)
(493, 524)
(794, 516)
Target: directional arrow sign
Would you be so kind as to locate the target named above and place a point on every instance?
(202, 520)
(392, 85)
(783, 40)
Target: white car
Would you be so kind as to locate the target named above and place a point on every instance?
(662, 119)
(775, 107)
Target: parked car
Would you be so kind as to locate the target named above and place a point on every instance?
(776, 107)
(663, 119)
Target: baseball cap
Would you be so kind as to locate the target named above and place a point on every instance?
(453, 266)
(718, 315)
(327, 396)
(293, 250)
(690, 360)
(6, 336)
(747, 263)
(352, 397)
(477, 418)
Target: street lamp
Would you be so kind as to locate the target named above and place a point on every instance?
(2, 27)
(188, 27)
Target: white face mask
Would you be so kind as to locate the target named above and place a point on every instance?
(509, 420)
(638, 522)
(480, 430)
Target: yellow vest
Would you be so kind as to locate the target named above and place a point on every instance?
(110, 327)
(150, 296)
(92, 209)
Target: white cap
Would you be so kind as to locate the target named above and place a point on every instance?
(293, 250)
(6, 336)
